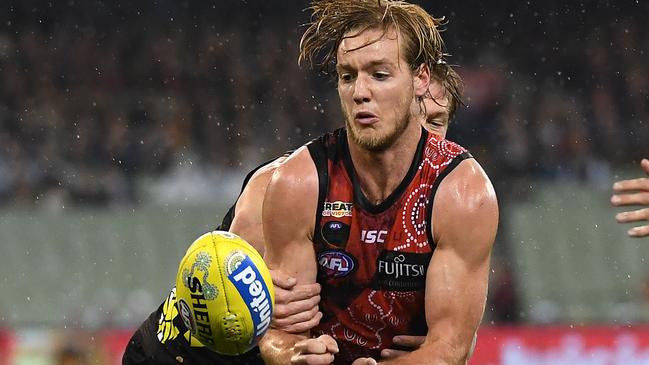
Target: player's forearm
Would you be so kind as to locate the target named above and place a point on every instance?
(432, 354)
(276, 346)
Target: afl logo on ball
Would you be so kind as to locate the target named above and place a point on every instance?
(233, 261)
(336, 263)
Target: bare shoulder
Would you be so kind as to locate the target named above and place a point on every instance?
(247, 221)
(296, 172)
(465, 210)
(289, 215)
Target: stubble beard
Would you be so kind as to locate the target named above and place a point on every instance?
(377, 142)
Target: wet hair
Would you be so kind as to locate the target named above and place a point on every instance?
(332, 21)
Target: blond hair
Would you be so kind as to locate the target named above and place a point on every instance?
(331, 20)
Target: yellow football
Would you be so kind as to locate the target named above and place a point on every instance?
(224, 293)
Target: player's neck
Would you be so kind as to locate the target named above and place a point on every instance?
(380, 173)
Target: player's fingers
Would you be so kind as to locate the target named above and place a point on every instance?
(332, 345)
(641, 231)
(388, 354)
(298, 292)
(364, 361)
(282, 280)
(284, 310)
(312, 359)
(633, 216)
(310, 346)
(645, 165)
(631, 199)
(303, 326)
(281, 322)
(639, 184)
(409, 341)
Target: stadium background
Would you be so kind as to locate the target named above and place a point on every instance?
(126, 128)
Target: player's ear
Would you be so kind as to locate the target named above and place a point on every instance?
(421, 80)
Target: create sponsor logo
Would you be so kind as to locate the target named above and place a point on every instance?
(373, 236)
(199, 325)
(337, 209)
(252, 288)
(402, 271)
(336, 263)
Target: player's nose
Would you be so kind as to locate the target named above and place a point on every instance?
(362, 92)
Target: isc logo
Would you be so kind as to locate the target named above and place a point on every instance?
(373, 236)
(335, 263)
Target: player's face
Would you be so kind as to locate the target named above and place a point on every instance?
(376, 87)
(437, 109)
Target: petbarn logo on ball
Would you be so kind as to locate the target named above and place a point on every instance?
(336, 263)
(337, 209)
(252, 288)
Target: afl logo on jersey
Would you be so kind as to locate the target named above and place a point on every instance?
(336, 263)
(337, 209)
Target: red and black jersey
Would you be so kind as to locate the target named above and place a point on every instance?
(372, 259)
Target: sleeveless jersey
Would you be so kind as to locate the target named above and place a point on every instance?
(372, 259)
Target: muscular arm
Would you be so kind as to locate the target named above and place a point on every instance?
(465, 214)
(288, 216)
(247, 221)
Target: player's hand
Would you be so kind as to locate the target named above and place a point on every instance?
(410, 342)
(633, 192)
(364, 361)
(296, 306)
(315, 351)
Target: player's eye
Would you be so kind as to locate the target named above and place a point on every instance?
(381, 75)
(345, 77)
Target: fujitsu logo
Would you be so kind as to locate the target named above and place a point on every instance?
(401, 271)
(398, 268)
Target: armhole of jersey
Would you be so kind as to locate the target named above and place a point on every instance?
(229, 216)
(429, 210)
(319, 157)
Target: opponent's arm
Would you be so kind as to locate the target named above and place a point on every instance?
(296, 306)
(465, 216)
(288, 216)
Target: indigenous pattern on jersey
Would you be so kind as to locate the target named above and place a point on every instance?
(372, 259)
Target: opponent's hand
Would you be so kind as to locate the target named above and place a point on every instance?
(296, 306)
(364, 361)
(633, 192)
(411, 342)
(315, 351)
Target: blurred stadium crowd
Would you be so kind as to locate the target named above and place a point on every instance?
(94, 95)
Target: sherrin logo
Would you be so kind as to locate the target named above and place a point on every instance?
(252, 288)
(336, 263)
(337, 209)
(199, 324)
